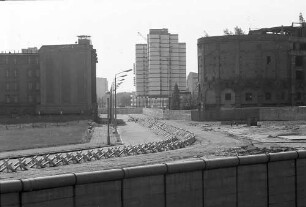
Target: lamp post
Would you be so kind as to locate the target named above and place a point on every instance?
(121, 76)
(108, 117)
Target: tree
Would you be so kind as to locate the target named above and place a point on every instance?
(175, 100)
(301, 18)
(238, 31)
(227, 32)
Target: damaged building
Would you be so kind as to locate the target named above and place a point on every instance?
(266, 67)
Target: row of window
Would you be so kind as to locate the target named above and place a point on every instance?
(29, 60)
(15, 99)
(15, 86)
(249, 96)
(30, 73)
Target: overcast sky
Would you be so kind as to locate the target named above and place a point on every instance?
(114, 24)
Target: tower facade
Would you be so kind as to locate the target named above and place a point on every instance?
(160, 64)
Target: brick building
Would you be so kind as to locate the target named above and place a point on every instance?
(264, 68)
(56, 79)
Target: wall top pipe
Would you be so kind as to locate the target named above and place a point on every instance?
(99, 176)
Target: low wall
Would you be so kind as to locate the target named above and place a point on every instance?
(225, 114)
(283, 113)
(156, 113)
(168, 114)
(122, 110)
(277, 179)
(259, 113)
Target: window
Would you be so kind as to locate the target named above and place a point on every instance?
(8, 100)
(30, 86)
(7, 86)
(15, 86)
(248, 97)
(303, 46)
(37, 86)
(30, 98)
(15, 61)
(299, 96)
(15, 73)
(298, 61)
(16, 99)
(299, 75)
(228, 96)
(37, 73)
(30, 73)
(268, 60)
(37, 99)
(283, 96)
(7, 73)
(268, 96)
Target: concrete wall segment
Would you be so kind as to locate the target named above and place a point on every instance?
(301, 153)
(146, 191)
(99, 176)
(222, 162)
(9, 186)
(188, 166)
(253, 159)
(184, 189)
(283, 156)
(55, 181)
(146, 170)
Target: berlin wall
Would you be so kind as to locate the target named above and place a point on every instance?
(276, 179)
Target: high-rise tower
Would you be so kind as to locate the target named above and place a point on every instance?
(160, 64)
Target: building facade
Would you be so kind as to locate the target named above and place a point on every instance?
(19, 83)
(102, 88)
(192, 83)
(56, 79)
(160, 64)
(264, 68)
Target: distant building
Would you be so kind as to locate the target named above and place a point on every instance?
(264, 68)
(160, 64)
(102, 88)
(59, 79)
(192, 83)
(19, 83)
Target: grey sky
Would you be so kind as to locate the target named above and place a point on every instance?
(114, 24)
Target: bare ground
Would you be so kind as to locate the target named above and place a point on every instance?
(213, 140)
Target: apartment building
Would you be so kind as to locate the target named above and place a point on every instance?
(160, 64)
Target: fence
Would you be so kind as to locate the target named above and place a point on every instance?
(259, 180)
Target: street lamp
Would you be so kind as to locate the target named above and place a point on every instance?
(121, 76)
(108, 117)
